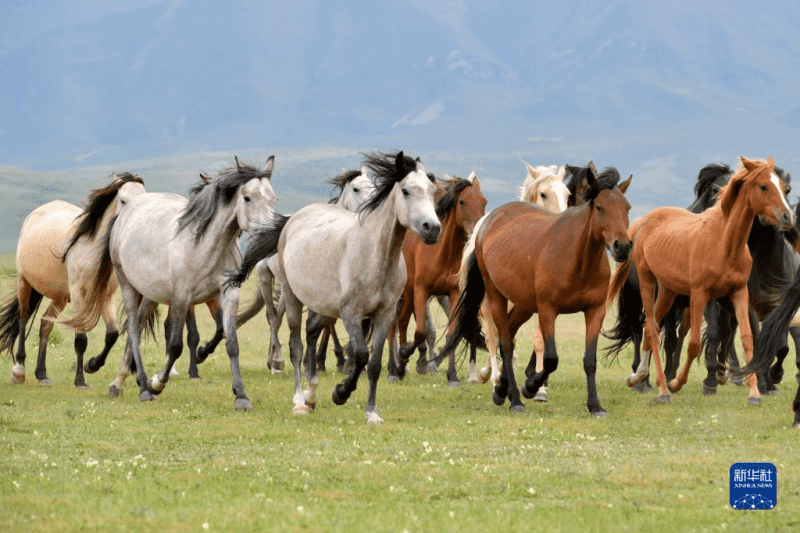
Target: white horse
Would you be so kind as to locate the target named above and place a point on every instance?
(56, 258)
(170, 250)
(354, 188)
(348, 265)
(544, 186)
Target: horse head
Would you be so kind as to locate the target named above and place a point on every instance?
(255, 198)
(545, 186)
(609, 210)
(414, 200)
(764, 190)
(469, 203)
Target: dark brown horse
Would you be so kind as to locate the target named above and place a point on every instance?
(703, 256)
(546, 263)
(433, 268)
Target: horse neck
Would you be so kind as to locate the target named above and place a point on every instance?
(451, 243)
(588, 246)
(382, 231)
(737, 226)
(223, 228)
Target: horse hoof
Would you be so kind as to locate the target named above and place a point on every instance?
(453, 383)
(114, 391)
(374, 419)
(174, 372)
(337, 399)
(301, 410)
(673, 386)
(422, 369)
(600, 413)
(147, 396)
(18, 378)
(473, 379)
(709, 391)
(754, 400)
(497, 399)
(392, 379)
(540, 396)
(45, 382)
(484, 375)
(91, 366)
(526, 391)
(773, 391)
(738, 381)
(194, 378)
(642, 387)
(82, 386)
(519, 408)
(242, 404)
(664, 398)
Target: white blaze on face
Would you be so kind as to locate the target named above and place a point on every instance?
(776, 181)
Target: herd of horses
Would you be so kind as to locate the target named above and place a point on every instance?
(385, 247)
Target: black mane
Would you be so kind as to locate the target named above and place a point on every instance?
(384, 165)
(709, 181)
(446, 203)
(99, 200)
(341, 181)
(576, 178)
(608, 179)
(205, 197)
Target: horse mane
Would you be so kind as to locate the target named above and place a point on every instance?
(341, 181)
(99, 200)
(608, 179)
(383, 166)
(447, 202)
(709, 181)
(576, 175)
(205, 197)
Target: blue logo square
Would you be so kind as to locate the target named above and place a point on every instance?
(753, 486)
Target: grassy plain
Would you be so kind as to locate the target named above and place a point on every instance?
(447, 459)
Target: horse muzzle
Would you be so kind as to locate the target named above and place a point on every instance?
(429, 232)
(620, 250)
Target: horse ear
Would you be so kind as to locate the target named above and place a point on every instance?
(476, 183)
(205, 179)
(591, 175)
(748, 164)
(623, 187)
(238, 165)
(771, 163)
(364, 170)
(448, 177)
(400, 161)
(269, 166)
(471, 177)
(532, 171)
(420, 167)
(562, 172)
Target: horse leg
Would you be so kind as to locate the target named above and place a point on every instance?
(698, 301)
(430, 330)
(116, 387)
(776, 371)
(266, 277)
(538, 348)
(112, 334)
(491, 370)
(741, 302)
(229, 302)
(547, 325)
(654, 310)
(167, 334)
(594, 322)
(137, 316)
(192, 342)
(714, 319)
(359, 356)
(404, 312)
(173, 329)
(314, 325)
(380, 329)
(25, 298)
(45, 328)
(452, 375)
(671, 320)
(338, 350)
(208, 348)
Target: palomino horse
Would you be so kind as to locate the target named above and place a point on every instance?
(543, 186)
(352, 188)
(55, 259)
(432, 270)
(546, 263)
(703, 256)
(348, 265)
(167, 249)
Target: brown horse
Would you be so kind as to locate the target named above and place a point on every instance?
(703, 256)
(433, 268)
(546, 263)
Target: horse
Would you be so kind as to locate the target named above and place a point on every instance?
(703, 256)
(629, 325)
(54, 259)
(543, 186)
(348, 265)
(432, 270)
(352, 188)
(546, 263)
(167, 249)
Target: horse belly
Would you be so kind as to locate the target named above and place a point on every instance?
(42, 240)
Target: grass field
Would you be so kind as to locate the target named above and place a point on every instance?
(447, 459)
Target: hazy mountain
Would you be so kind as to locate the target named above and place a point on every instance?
(173, 88)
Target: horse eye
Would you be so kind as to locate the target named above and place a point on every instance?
(405, 192)
(461, 202)
(246, 198)
(544, 196)
(356, 189)
(788, 190)
(763, 187)
(600, 209)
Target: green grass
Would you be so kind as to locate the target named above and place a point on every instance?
(447, 459)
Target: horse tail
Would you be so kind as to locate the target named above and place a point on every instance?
(774, 330)
(256, 306)
(630, 319)
(98, 293)
(465, 315)
(618, 279)
(263, 244)
(9, 319)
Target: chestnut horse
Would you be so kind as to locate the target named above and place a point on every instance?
(433, 270)
(703, 256)
(546, 263)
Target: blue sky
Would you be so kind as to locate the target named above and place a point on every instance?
(164, 87)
